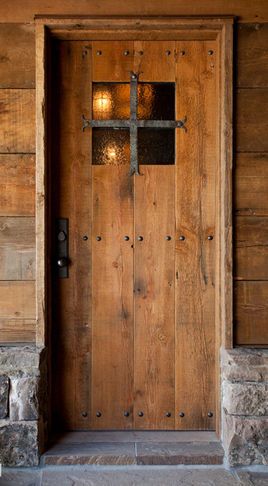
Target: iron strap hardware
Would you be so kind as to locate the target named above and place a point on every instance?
(134, 123)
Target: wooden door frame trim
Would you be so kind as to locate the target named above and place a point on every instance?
(147, 28)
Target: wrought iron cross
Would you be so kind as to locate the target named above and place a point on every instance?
(133, 123)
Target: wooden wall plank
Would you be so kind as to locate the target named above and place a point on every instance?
(17, 248)
(17, 56)
(154, 379)
(71, 197)
(246, 11)
(252, 56)
(252, 120)
(195, 220)
(17, 300)
(251, 248)
(251, 184)
(112, 296)
(17, 331)
(251, 313)
(17, 185)
(17, 120)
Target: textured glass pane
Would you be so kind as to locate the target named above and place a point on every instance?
(110, 147)
(156, 146)
(156, 101)
(111, 101)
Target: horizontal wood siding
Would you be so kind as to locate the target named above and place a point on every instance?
(17, 330)
(252, 56)
(17, 56)
(17, 185)
(17, 248)
(245, 10)
(17, 300)
(251, 184)
(17, 120)
(251, 312)
(251, 255)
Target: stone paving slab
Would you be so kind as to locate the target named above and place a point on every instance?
(183, 453)
(123, 453)
(131, 476)
(79, 437)
(96, 453)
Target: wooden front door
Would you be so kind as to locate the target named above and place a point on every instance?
(134, 310)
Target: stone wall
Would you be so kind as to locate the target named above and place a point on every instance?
(245, 406)
(23, 408)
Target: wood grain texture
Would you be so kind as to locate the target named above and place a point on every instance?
(42, 183)
(156, 61)
(246, 11)
(195, 220)
(17, 185)
(112, 297)
(154, 378)
(17, 248)
(251, 184)
(252, 56)
(252, 120)
(17, 120)
(17, 300)
(17, 56)
(72, 182)
(251, 248)
(17, 331)
(251, 313)
(112, 64)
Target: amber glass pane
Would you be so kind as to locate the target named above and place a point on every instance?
(110, 146)
(156, 146)
(111, 101)
(156, 101)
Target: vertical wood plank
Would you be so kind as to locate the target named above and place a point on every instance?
(112, 287)
(154, 60)
(195, 221)
(72, 182)
(112, 61)
(154, 298)
(41, 185)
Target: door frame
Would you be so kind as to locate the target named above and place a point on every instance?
(143, 28)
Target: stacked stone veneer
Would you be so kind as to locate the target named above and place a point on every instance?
(245, 406)
(23, 414)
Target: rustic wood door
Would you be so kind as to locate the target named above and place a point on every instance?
(134, 316)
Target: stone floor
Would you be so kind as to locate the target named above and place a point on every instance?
(134, 447)
(133, 475)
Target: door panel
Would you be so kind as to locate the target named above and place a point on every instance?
(71, 198)
(134, 323)
(195, 220)
(112, 297)
(154, 298)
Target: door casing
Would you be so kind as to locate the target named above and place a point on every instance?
(145, 28)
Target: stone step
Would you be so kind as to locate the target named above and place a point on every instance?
(135, 452)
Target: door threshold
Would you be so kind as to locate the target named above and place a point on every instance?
(134, 447)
